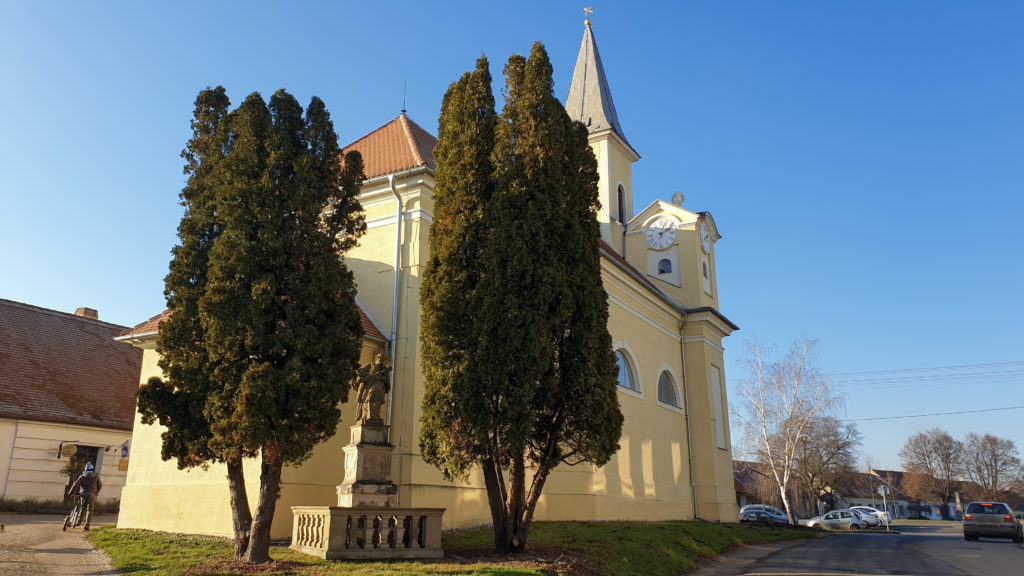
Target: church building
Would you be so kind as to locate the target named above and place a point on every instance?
(658, 269)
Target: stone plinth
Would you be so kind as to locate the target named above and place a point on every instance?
(336, 533)
(367, 480)
(365, 524)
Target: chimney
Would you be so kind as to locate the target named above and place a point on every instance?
(87, 313)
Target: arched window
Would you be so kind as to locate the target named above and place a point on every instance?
(625, 373)
(665, 266)
(622, 205)
(667, 393)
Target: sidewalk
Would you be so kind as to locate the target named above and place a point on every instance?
(34, 545)
(741, 559)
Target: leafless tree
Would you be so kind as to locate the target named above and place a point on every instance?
(826, 455)
(935, 458)
(777, 404)
(991, 462)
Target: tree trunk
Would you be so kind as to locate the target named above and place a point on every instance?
(531, 503)
(270, 487)
(785, 503)
(516, 502)
(240, 513)
(496, 501)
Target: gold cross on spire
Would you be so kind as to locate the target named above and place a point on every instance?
(587, 12)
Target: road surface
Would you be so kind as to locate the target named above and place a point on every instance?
(922, 548)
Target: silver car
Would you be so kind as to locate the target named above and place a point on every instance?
(991, 520)
(843, 519)
(762, 513)
(872, 516)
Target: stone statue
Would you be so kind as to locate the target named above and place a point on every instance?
(371, 385)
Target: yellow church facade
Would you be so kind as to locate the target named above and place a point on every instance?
(658, 269)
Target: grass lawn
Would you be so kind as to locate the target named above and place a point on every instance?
(566, 548)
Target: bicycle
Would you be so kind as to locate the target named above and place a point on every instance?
(75, 517)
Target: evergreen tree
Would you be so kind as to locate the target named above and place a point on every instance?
(179, 402)
(278, 327)
(534, 384)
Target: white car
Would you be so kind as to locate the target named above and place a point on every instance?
(844, 519)
(872, 516)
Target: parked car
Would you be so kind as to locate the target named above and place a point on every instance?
(991, 520)
(842, 519)
(872, 516)
(762, 513)
(763, 517)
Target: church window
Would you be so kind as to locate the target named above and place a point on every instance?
(707, 275)
(625, 373)
(667, 393)
(665, 266)
(622, 205)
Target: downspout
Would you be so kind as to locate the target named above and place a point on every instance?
(394, 308)
(686, 406)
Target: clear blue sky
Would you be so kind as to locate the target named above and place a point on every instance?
(864, 160)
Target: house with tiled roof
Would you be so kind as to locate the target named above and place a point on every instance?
(659, 272)
(67, 391)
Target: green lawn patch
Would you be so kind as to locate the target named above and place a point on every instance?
(567, 548)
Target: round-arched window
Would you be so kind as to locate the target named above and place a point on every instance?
(625, 374)
(667, 393)
(664, 266)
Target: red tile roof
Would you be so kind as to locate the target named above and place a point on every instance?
(58, 367)
(150, 326)
(399, 145)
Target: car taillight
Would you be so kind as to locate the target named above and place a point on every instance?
(967, 517)
(1007, 518)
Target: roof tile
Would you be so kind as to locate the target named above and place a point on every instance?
(58, 367)
(399, 145)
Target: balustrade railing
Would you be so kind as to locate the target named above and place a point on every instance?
(333, 532)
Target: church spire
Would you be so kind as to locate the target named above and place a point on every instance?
(590, 99)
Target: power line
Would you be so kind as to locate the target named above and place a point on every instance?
(926, 369)
(935, 414)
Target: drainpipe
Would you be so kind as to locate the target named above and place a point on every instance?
(394, 307)
(686, 405)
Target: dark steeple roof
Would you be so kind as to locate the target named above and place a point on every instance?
(590, 99)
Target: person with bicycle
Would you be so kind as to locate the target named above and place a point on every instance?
(87, 485)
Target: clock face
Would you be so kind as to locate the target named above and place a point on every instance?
(705, 238)
(661, 233)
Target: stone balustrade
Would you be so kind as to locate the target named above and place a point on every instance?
(334, 533)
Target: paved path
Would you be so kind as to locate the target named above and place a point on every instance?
(34, 545)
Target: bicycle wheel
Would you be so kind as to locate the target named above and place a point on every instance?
(67, 520)
(76, 515)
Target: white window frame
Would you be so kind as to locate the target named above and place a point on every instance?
(627, 354)
(666, 369)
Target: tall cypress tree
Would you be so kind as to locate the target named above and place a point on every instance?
(278, 328)
(179, 402)
(535, 384)
(463, 186)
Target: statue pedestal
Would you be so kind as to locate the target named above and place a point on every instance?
(366, 524)
(367, 480)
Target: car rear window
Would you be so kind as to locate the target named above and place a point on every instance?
(987, 508)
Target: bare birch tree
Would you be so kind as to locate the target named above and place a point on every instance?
(777, 404)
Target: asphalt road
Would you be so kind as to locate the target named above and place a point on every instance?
(922, 548)
(34, 545)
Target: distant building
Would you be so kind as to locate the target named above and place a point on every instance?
(67, 390)
(659, 271)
